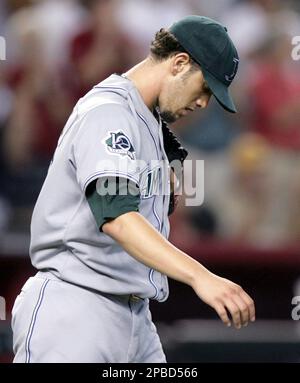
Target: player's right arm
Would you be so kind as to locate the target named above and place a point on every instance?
(143, 242)
(97, 154)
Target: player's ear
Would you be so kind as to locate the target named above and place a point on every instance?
(179, 62)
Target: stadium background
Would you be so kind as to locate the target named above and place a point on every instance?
(248, 228)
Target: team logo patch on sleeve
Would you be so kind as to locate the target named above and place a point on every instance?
(119, 143)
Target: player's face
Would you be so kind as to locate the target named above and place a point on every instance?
(183, 94)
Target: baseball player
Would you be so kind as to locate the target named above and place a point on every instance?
(100, 225)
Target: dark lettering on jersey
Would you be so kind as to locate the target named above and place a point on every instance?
(150, 182)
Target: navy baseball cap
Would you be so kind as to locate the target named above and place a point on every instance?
(209, 45)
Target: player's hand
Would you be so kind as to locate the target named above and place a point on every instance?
(225, 297)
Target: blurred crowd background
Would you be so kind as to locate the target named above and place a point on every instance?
(249, 224)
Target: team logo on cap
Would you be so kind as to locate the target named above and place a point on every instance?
(119, 143)
(235, 68)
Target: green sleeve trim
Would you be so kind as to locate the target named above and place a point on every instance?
(107, 207)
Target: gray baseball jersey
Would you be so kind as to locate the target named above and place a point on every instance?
(111, 132)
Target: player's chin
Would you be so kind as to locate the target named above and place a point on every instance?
(169, 117)
(179, 116)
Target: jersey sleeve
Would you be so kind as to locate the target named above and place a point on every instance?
(107, 145)
(108, 207)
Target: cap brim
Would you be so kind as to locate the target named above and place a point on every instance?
(220, 91)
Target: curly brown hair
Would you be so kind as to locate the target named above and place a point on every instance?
(165, 45)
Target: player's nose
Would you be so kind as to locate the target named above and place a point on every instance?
(202, 102)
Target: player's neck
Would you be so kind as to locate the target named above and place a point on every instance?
(147, 77)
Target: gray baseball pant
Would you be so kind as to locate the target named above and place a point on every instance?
(55, 321)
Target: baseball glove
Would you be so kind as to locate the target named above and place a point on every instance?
(174, 151)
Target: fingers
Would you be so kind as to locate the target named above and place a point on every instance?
(220, 309)
(228, 299)
(240, 306)
(234, 310)
(243, 310)
(250, 303)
